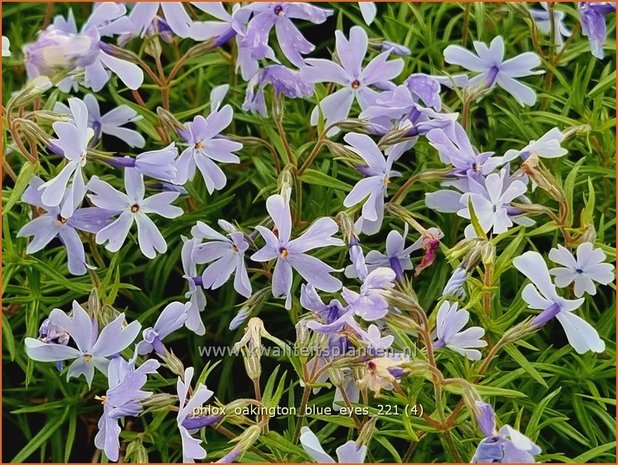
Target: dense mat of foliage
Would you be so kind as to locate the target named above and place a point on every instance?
(280, 232)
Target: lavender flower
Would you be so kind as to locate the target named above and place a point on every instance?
(584, 270)
(492, 203)
(350, 74)
(454, 286)
(109, 123)
(72, 143)
(205, 146)
(284, 80)
(196, 296)
(449, 323)
(373, 188)
(62, 47)
(332, 316)
(191, 447)
(172, 318)
(547, 146)
(592, 16)
(132, 207)
(221, 30)
(400, 109)
(368, 11)
(226, 255)
(279, 15)
(52, 224)
(542, 19)
(541, 294)
(358, 268)
(494, 69)
(506, 445)
(174, 15)
(291, 254)
(370, 303)
(454, 148)
(122, 399)
(158, 164)
(397, 256)
(349, 452)
(93, 348)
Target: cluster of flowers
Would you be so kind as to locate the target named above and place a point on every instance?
(488, 190)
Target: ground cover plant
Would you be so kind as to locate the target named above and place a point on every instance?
(292, 232)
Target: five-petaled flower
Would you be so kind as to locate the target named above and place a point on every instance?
(132, 207)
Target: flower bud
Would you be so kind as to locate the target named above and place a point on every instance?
(159, 400)
(59, 52)
(174, 364)
(136, 452)
(543, 178)
(366, 432)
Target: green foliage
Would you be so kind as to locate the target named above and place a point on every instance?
(562, 400)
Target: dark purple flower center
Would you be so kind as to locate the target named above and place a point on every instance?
(579, 270)
(355, 84)
(61, 220)
(283, 252)
(198, 145)
(278, 10)
(134, 208)
(491, 76)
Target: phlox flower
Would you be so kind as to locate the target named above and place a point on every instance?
(195, 294)
(506, 445)
(122, 399)
(368, 11)
(373, 188)
(541, 294)
(543, 21)
(205, 145)
(349, 452)
(72, 143)
(350, 74)
(449, 324)
(279, 15)
(191, 447)
(52, 224)
(291, 254)
(494, 69)
(284, 80)
(93, 348)
(370, 303)
(492, 203)
(132, 207)
(592, 16)
(62, 47)
(454, 148)
(584, 269)
(226, 255)
(547, 146)
(158, 164)
(173, 14)
(110, 123)
(397, 255)
(172, 318)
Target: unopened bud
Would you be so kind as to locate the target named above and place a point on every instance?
(159, 400)
(173, 363)
(340, 151)
(488, 253)
(285, 181)
(589, 235)
(543, 178)
(366, 432)
(136, 452)
(243, 442)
